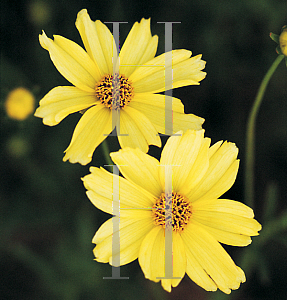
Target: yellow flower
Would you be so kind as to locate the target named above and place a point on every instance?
(200, 221)
(141, 75)
(20, 103)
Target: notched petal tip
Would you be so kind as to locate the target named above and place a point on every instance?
(81, 13)
(43, 40)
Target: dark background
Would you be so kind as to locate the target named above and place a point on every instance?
(47, 222)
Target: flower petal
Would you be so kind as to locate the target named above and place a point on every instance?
(136, 131)
(189, 72)
(196, 171)
(151, 255)
(220, 176)
(179, 258)
(152, 258)
(197, 274)
(226, 215)
(101, 190)
(139, 168)
(91, 130)
(98, 41)
(212, 258)
(132, 232)
(62, 101)
(79, 54)
(154, 108)
(224, 237)
(144, 125)
(72, 65)
(150, 78)
(182, 153)
(136, 46)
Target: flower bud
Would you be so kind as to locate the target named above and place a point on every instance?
(283, 40)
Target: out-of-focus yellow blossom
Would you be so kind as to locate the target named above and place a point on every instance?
(20, 103)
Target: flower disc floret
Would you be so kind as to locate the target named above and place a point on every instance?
(181, 211)
(114, 92)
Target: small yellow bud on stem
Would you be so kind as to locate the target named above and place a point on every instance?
(283, 40)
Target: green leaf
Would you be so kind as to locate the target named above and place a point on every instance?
(274, 37)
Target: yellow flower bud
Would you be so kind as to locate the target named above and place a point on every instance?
(283, 41)
(20, 103)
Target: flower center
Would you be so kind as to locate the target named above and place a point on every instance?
(181, 211)
(115, 92)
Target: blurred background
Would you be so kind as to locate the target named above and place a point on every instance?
(47, 222)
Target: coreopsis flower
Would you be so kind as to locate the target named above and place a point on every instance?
(139, 77)
(19, 104)
(200, 220)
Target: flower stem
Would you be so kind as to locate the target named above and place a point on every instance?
(250, 134)
(106, 151)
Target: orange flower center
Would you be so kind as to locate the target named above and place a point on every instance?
(114, 93)
(181, 211)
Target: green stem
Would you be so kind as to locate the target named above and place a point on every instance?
(250, 134)
(106, 152)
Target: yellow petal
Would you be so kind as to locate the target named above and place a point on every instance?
(220, 176)
(212, 258)
(92, 129)
(188, 72)
(132, 232)
(144, 125)
(179, 258)
(78, 53)
(226, 215)
(150, 51)
(225, 237)
(62, 101)
(153, 106)
(156, 66)
(147, 102)
(152, 258)
(136, 131)
(196, 272)
(225, 206)
(101, 190)
(135, 46)
(74, 70)
(196, 171)
(181, 152)
(214, 148)
(139, 168)
(150, 78)
(97, 40)
(151, 254)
